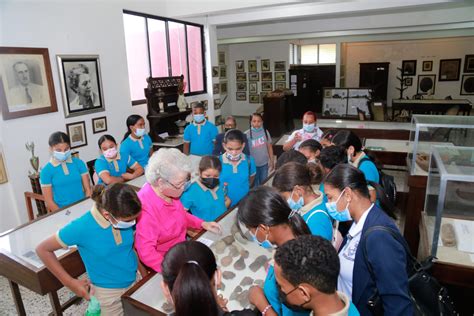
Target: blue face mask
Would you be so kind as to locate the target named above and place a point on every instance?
(295, 205)
(198, 118)
(122, 224)
(62, 156)
(256, 130)
(341, 216)
(140, 132)
(309, 128)
(265, 244)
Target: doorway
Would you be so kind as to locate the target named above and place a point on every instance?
(375, 77)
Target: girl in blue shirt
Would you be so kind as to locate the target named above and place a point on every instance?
(104, 238)
(111, 166)
(271, 223)
(64, 179)
(136, 143)
(206, 197)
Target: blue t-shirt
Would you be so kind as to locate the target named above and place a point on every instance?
(204, 203)
(107, 253)
(138, 149)
(237, 177)
(115, 167)
(201, 137)
(65, 179)
(369, 170)
(318, 220)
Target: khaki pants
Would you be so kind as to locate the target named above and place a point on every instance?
(109, 299)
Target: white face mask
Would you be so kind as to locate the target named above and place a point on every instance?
(121, 224)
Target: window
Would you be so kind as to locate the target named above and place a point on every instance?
(160, 47)
(318, 54)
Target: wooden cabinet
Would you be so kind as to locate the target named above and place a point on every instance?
(276, 111)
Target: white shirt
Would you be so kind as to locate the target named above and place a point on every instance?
(17, 99)
(347, 255)
(316, 135)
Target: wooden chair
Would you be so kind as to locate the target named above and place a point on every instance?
(29, 206)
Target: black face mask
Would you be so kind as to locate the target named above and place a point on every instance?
(226, 129)
(296, 308)
(210, 183)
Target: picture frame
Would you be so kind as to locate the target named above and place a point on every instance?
(26, 82)
(408, 81)
(262, 96)
(265, 65)
(279, 66)
(280, 76)
(215, 71)
(3, 170)
(215, 88)
(469, 64)
(193, 104)
(218, 120)
(206, 104)
(99, 124)
(217, 104)
(241, 76)
(253, 87)
(239, 66)
(426, 84)
(222, 72)
(467, 85)
(254, 98)
(409, 67)
(449, 69)
(221, 58)
(427, 65)
(241, 96)
(77, 133)
(267, 76)
(252, 65)
(81, 84)
(267, 86)
(254, 76)
(241, 86)
(280, 85)
(223, 87)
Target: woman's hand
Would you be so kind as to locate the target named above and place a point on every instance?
(127, 176)
(212, 227)
(222, 302)
(80, 287)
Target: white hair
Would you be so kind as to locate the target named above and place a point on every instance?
(166, 163)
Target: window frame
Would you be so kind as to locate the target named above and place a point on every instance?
(185, 23)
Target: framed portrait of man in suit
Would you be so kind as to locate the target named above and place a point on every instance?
(26, 83)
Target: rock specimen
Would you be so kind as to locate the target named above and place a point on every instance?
(240, 238)
(235, 293)
(243, 298)
(447, 235)
(258, 263)
(228, 275)
(219, 246)
(234, 251)
(226, 261)
(244, 253)
(167, 307)
(259, 282)
(228, 240)
(246, 281)
(240, 264)
(234, 229)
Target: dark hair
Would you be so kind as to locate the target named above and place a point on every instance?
(210, 162)
(263, 124)
(346, 176)
(119, 199)
(310, 113)
(131, 120)
(105, 137)
(58, 138)
(187, 269)
(332, 156)
(309, 259)
(311, 144)
(199, 105)
(329, 134)
(292, 174)
(346, 139)
(233, 135)
(291, 155)
(264, 205)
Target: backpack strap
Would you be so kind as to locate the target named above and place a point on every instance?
(315, 212)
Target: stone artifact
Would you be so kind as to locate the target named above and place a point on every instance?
(447, 235)
(235, 293)
(243, 298)
(258, 263)
(246, 281)
(228, 275)
(239, 264)
(234, 251)
(240, 238)
(234, 229)
(244, 253)
(228, 240)
(167, 307)
(259, 282)
(220, 247)
(226, 261)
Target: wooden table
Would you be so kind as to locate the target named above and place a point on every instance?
(426, 106)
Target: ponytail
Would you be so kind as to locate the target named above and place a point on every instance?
(315, 172)
(98, 195)
(385, 203)
(298, 225)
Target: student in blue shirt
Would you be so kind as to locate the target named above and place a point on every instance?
(238, 170)
(136, 143)
(200, 135)
(206, 198)
(104, 238)
(294, 182)
(64, 179)
(265, 213)
(111, 166)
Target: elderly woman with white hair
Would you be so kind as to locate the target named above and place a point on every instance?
(163, 222)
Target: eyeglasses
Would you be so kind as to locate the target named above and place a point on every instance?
(184, 185)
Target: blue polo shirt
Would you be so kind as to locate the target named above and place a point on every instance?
(106, 252)
(115, 167)
(203, 202)
(237, 177)
(316, 217)
(201, 137)
(65, 179)
(368, 168)
(138, 149)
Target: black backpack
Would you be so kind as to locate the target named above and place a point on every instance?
(387, 182)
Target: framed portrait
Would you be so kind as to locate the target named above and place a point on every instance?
(409, 67)
(267, 76)
(222, 72)
(408, 81)
(206, 104)
(241, 76)
(215, 88)
(241, 96)
(254, 98)
(193, 104)
(81, 84)
(426, 84)
(241, 86)
(449, 69)
(223, 87)
(3, 170)
(215, 71)
(280, 76)
(253, 87)
(267, 86)
(265, 64)
(253, 76)
(469, 64)
(217, 104)
(467, 85)
(280, 85)
(221, 57)
(77, 134)
(219, 120)
(252, 65)
(427, 65)
(99, 124)
(26, 82)
(280, 66)
(239, 66)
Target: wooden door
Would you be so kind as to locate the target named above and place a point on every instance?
(375, 76)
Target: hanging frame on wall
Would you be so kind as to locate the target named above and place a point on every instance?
(467, 85)
(426, 84)
(449, 69)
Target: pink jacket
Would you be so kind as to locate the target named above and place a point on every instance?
(160, 226)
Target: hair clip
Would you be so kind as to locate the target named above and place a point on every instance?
(193, 262)
(293, 212)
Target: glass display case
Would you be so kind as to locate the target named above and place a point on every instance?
(345, 102)
(429, 130)
(448, 217)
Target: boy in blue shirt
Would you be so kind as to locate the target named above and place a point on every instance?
(200, 135)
